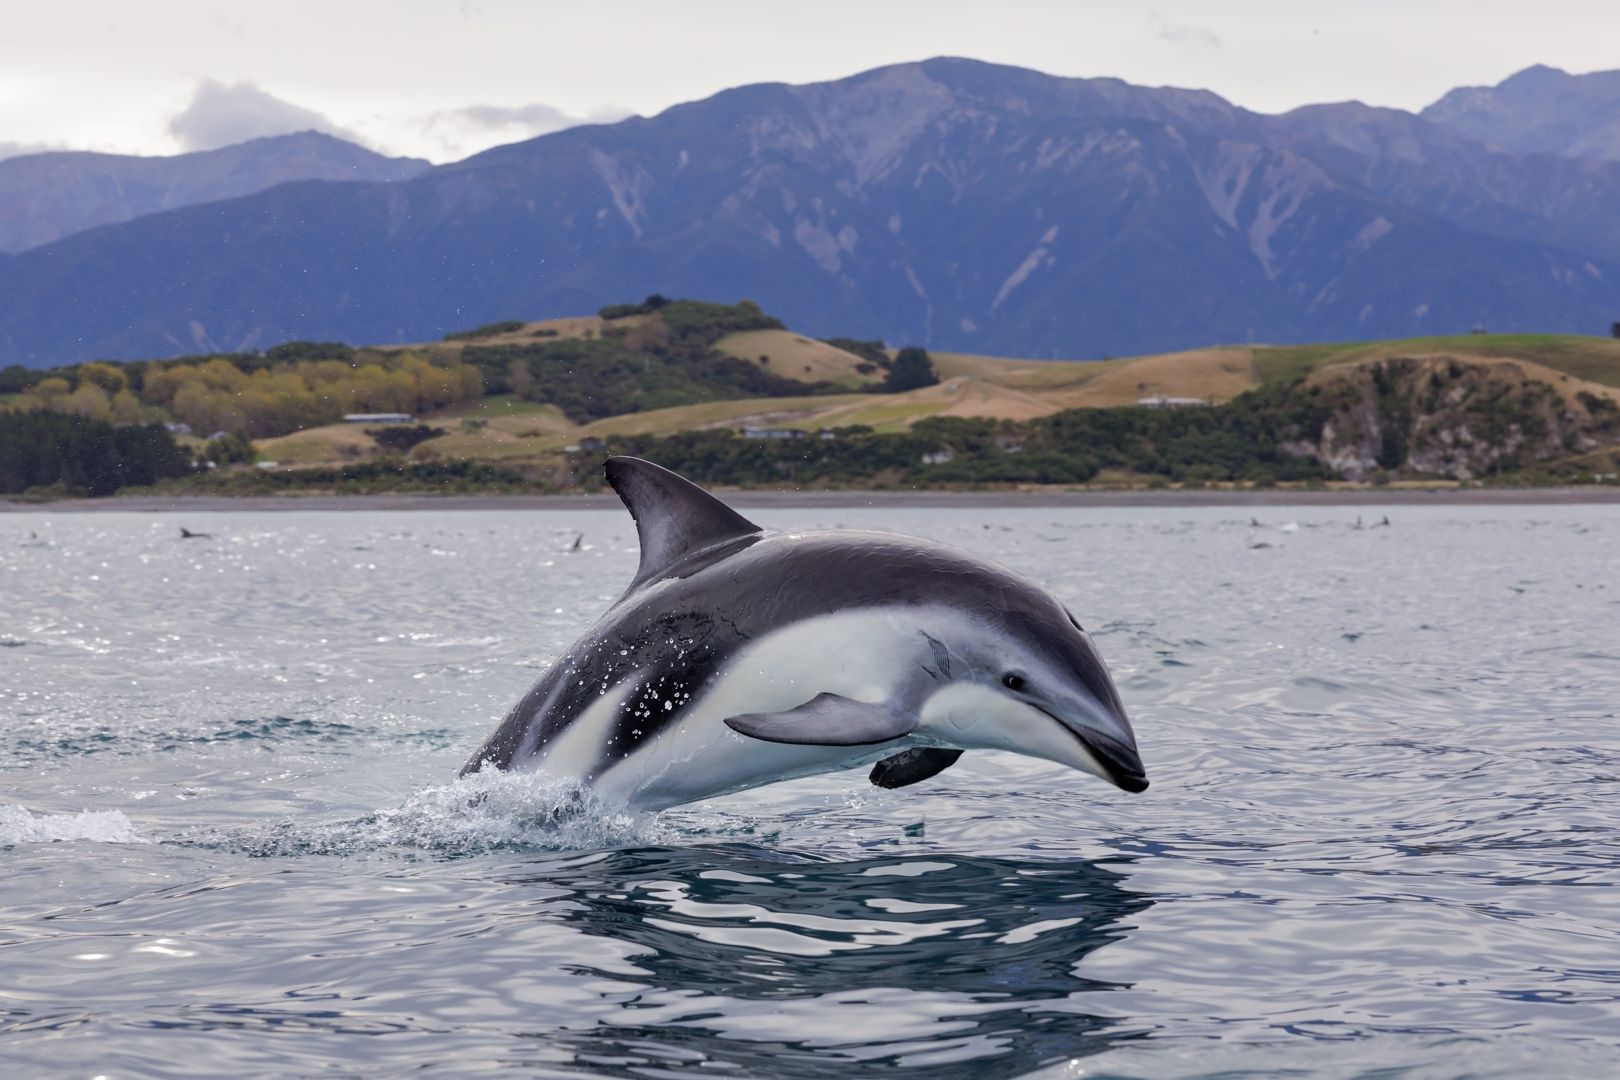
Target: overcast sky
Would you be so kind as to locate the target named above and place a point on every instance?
(444, 78)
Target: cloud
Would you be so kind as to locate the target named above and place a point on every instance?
(18, 149)
(220, 115)
(456, 133)
(538, 118)
(1185, 35)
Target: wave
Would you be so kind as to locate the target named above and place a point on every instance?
(19, 826)
(80, 739)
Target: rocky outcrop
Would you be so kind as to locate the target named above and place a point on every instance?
(1451, 417)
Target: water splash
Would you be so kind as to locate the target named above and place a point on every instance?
(19, 826)
(486, 811)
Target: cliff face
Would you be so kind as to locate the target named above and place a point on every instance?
(1451, 417)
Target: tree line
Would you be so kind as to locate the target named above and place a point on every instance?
(1245, 440)
(78, 455)
(262, 400)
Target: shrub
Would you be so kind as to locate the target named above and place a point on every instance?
(403, 437)
(874, 352)
(234, 448)
(505, 326)
(310, 350)
(912, 368)
(16, 378)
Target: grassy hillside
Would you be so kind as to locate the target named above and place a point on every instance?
(520, 332)
(509, 429)
(528, 395)
(795, 357)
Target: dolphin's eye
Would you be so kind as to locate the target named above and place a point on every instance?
(1013, 681)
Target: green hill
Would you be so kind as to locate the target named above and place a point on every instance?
(684, 380)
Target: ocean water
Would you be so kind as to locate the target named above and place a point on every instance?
(1383, 836)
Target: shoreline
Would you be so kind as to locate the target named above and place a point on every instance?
(841, 500)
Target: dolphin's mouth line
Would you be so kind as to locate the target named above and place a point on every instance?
(1122, 764)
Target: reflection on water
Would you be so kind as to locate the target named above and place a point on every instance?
(655, 961)
(939, 965)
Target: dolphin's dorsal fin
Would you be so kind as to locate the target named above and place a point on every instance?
(674, 517)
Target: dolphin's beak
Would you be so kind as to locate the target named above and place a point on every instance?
(1106, 737)
(1119, 759)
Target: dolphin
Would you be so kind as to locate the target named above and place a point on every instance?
(739, 657)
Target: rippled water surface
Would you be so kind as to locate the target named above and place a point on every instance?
(1383, 836)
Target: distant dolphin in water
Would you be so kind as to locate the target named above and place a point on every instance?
(739, 657)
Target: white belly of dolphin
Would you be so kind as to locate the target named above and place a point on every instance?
(865, 655)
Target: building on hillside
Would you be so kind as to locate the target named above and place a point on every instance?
(1162, 401)
(378, 418)
(772, 433)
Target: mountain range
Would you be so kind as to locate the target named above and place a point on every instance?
(44, 197)
(1541, 110)
(950, 203)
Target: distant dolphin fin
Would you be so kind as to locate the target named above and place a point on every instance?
(674, 517)
(912, 766)
(827, 720)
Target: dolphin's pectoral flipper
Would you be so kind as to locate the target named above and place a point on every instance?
(912, 766)
(827, 720)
